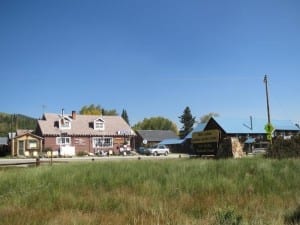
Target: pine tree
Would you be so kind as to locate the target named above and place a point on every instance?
(125, 116)
(188, 122)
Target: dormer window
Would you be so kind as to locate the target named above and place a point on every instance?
(99, 124)
(64, 123)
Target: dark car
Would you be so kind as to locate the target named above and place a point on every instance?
(141, 150)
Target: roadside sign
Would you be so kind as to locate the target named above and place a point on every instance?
(208, 136)
(269, 128)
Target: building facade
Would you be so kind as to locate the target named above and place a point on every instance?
(90, 134)
(26, 144)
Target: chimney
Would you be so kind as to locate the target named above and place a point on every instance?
(74, 115)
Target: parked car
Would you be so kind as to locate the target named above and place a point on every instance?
(141, 150)
(157, 150)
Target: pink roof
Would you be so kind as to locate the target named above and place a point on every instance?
(83, 125)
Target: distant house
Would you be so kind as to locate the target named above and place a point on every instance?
(253, 127)
(26, 144)
(249, 132)
(84, 133)
(152, 137)
(3, 146)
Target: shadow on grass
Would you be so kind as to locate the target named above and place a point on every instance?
(293, 218)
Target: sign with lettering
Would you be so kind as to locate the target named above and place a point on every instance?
(208, 136)
(208, 148)
(79, 141)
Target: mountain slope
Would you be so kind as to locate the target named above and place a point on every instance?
(9, 122)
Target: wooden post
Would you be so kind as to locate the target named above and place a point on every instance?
(37, 162)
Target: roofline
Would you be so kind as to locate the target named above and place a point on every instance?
(31, 134)
(89, 135)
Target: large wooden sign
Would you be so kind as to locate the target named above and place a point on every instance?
(208, 136)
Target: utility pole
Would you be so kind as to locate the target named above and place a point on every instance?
(268, 128)
(267, 96)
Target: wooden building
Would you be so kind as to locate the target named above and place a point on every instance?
(26, 144)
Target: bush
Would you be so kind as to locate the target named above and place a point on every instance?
(228, 217)
(293, 218)
(82, 153)
(282, 148)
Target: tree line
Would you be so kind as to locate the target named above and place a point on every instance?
(12, 122)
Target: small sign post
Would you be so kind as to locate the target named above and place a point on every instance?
(269, 130)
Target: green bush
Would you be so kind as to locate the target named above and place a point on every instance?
(228, 217)
(282, 148)
(293, 217)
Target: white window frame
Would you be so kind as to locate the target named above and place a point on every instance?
(64, 124)
(99, 125)
(103, 142)
(32, 144)
(63, 140)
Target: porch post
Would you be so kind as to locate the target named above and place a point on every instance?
(12, 146)
(41, 146)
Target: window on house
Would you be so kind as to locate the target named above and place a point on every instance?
(64, 124)
(102, 142)
(32, 144)
(63, 140)
(99, 125)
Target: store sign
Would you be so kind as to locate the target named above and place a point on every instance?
(209, 136)
(206, 148)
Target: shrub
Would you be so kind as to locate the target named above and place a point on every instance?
(282, 148)
(228, 217)
(293, 218)
(48, 149)
(82, 153)
(225, 150)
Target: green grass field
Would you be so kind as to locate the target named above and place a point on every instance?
(179, 191)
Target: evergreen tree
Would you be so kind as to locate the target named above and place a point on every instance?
(188, 122)
(12, 122)
(125, 116)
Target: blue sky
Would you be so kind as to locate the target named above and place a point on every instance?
(150, 57)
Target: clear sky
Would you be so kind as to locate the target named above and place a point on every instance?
(150, 57)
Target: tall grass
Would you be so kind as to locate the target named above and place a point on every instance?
(185, 191)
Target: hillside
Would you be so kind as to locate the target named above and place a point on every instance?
(10, 122)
